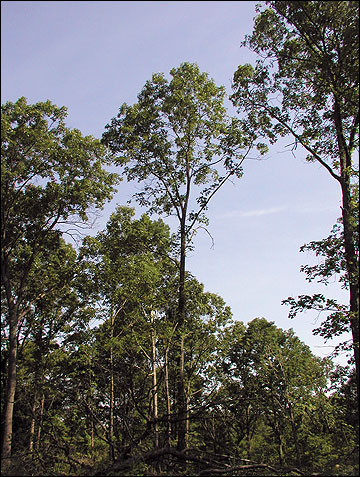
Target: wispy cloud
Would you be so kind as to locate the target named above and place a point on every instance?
(253, 213)
(300, 209)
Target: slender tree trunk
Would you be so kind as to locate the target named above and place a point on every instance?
(181, 395)
(155, 392)
(213, 435)
(280, 450)
(41, 417)
(280, 447)
(38, 383)
(352, 269)
(275, 425)
(187, 413)
(111, 416)
(92, 437)
(167, 394)
(10, 388)
(182, 407)
(156, 465)
(91, 410)
(349, 228)
(32, 424)
(34, 409)
(295, 437)
(248, 436)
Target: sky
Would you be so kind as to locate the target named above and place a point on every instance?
(92, 56)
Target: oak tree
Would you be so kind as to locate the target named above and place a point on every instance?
(178, 141)
(306, 85)
(50, 177)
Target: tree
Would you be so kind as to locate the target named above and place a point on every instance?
(50, 177)
(305, 85)
(59, 308)
(331, 266)
(128, 265)
(178, 141)
(207, 318)
(139, 429)
(271, 378)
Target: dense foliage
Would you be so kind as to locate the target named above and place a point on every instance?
(115, 361)
(305, 85)
(180, 143)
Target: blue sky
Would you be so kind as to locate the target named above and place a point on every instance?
(93, 56)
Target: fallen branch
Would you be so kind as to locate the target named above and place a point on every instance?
(231, 470)
(210, 462)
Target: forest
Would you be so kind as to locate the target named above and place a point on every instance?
(115, 361)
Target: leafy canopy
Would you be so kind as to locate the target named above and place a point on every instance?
(305, 82)
(50, 174)
(177, 138)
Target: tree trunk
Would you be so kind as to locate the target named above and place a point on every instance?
(295, 437)
(187, 413)
(10, 388)
(349, 228)
(352, 270)
(33, 418)
(37, 443)
(111, 416)
(280, 450)
(32, 425)
(181, 397)
(182, 407)
(167, 394)
(275, 425)
(248, 433)
(213, 432)
(91, 414)
(38, 383)
(155, 393)
(91, 437)
(280, 447)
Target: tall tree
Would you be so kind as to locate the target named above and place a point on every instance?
(331, 266)
(305, 84)
(128, 264)
(178, 141)
(57, 309)
(270, 372)
(50, 176)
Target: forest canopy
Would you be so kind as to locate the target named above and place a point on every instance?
(115, 359)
